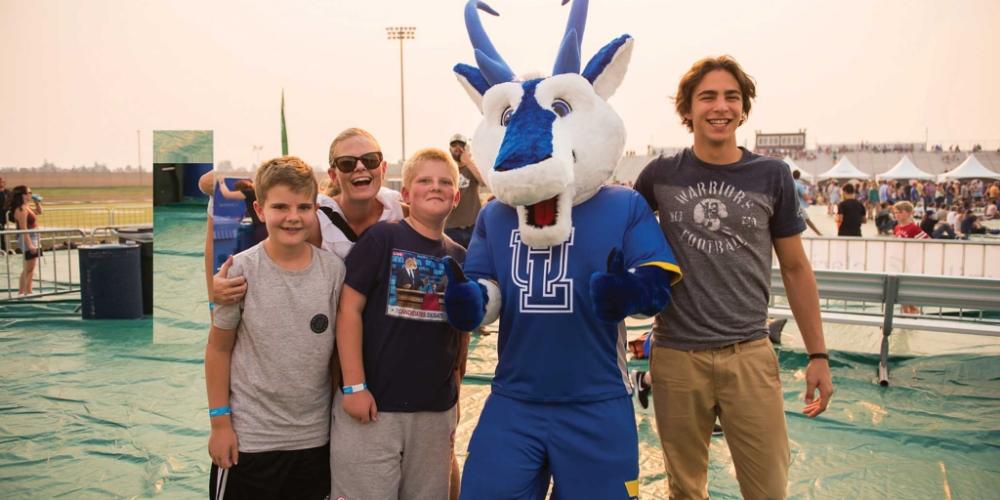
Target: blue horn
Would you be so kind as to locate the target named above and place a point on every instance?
(568, 60)
(492, 66)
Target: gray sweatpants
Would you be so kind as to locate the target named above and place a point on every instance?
(402, 456)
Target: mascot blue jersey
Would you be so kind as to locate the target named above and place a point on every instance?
(552, 346)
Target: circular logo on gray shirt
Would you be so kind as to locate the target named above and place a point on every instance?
(319, 323)
(710, 212)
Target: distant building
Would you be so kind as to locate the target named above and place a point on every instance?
(780, 144)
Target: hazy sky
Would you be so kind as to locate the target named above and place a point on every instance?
(80, 77)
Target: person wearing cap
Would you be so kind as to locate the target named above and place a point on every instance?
(459, 225)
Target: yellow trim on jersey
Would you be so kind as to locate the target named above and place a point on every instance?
(668, 267)
(632, 487)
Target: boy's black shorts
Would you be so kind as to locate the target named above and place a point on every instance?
(282, 474)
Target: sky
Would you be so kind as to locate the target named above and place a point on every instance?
(80, 78)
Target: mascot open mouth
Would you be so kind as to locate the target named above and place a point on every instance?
(543, 213)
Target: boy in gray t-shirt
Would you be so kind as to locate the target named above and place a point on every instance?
(268, 360)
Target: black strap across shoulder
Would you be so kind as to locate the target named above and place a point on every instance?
(338, 220)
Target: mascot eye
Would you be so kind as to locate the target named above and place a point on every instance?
(561, 107)
(505, 117)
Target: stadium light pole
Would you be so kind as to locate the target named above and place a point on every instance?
(401, 33)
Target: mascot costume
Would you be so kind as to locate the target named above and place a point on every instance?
(562, 260)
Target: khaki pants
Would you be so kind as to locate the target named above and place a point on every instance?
(739, 384)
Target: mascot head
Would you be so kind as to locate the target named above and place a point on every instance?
(549, 143)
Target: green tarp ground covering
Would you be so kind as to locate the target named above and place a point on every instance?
(101, 409)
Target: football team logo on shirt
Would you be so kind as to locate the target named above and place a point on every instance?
(540, 276)
(714, 215)
(709, 213)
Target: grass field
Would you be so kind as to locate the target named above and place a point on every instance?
(91, 207)
(91, 215)
(112, 194)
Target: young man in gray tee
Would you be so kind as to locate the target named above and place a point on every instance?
(723, 209)
(268, 360)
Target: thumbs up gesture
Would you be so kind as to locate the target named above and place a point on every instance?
(619, 292)
(464, 300)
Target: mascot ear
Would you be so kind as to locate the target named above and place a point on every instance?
(606, 69)
(473, 82)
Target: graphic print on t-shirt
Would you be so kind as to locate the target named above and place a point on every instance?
(416, 286)
(714, 216)
(540, 276)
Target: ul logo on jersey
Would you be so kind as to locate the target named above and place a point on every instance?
(540, 274)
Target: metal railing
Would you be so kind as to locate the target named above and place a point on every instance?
(90, 217)
(978, 258)
(940, 303)
(54, 272)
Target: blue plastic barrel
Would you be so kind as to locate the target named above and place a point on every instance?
(193, 172)
(111, 281)
(143, 236)
(245, 237)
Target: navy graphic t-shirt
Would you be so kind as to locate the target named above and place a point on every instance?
(408, 347)
(720, 221)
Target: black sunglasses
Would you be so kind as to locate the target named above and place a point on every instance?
(346, 164)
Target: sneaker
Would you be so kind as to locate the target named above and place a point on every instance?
(640, 388)
(717, 430)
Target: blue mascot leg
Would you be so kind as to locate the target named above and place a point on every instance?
(595, 454)
(507, 457)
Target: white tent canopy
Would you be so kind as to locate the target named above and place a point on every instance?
(969, 169)
(844, 169)
(791, 164)
(905, 170)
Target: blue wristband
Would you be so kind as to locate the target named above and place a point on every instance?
(220, 411)
(351, 389)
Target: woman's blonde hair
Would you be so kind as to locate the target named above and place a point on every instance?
(348, 134)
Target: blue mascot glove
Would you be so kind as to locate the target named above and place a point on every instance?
(464, 300)
(619, 293)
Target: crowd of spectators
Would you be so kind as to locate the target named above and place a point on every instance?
(869, 147)
(946, 210)
(951, 155)
(954, 148)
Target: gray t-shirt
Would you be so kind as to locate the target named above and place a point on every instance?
(720, 221)
(280, 385)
